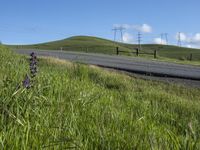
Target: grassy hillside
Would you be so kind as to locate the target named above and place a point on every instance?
(80, 43)
(169, 51)
(81, 107)
(98, 45)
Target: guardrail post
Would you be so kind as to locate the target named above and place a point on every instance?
(155, 54)
(137, 51)
(117, 49)
(191, 57)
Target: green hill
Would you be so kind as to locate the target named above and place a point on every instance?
(99, 45)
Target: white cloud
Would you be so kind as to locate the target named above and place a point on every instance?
(159, 41)
(183, 37)
(193, 46)
(126, 26)
(192, 41)
(128, 38)
(117, 25)
(145, 28)
(189, 46)
(196, 38)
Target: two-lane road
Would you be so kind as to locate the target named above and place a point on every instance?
(135, 65)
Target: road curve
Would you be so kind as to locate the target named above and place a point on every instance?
(134, 65)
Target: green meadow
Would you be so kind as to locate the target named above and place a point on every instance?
(75, 106)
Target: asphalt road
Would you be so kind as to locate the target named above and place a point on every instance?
(133, 65)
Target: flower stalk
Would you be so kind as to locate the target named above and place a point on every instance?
(28, 81)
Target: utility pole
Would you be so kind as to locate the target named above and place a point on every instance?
(179, 39)
(139, 40)
(161, 38)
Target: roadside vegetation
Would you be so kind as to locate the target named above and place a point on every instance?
(74, 106)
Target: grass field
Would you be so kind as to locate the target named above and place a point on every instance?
(99, 45)
(83, 107)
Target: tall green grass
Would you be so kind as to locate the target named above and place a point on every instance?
(80, 107)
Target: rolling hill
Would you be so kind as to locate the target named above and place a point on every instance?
(99, 45)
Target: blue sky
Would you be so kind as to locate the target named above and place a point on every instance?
(33, 21)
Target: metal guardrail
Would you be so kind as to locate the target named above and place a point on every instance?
(137, 52)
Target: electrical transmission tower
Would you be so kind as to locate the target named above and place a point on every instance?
(164, 38)
(179, 40)
(115, 33)
(120, 29)
(139, 40)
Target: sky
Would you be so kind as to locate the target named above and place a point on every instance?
(37, 21)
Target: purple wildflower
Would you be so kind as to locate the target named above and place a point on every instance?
(33, 64)
(27, 82)
(33, 70)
